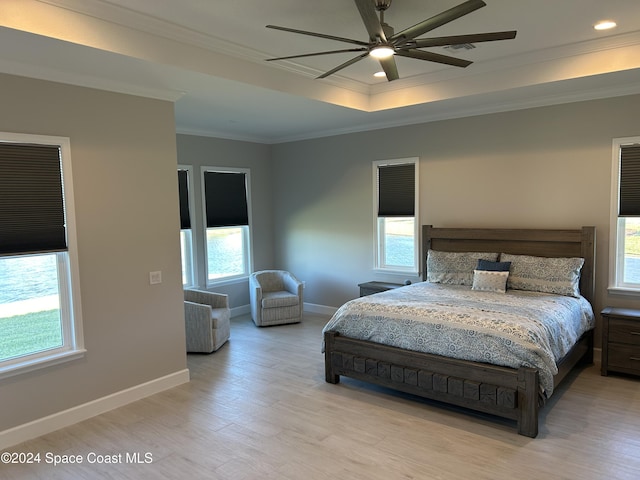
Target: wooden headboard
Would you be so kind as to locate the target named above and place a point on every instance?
(541, 243)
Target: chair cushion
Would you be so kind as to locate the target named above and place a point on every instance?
(279, 299)
(270, 281)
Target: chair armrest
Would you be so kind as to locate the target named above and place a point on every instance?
(255, 299)
(197, 316)
(255, 290)
(215, 300)
(292, 284)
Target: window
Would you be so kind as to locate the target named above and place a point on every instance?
(396, 206)
(227, 220)
(40, 320)
(186, 229)
(624, 263)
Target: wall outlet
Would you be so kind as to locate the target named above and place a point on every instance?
(155, 278)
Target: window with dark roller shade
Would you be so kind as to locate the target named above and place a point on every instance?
(624, 246)
(39, 266)
(227, 217)
(395, 200)
(185, 178)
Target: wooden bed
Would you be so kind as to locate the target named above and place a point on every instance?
(505, 392)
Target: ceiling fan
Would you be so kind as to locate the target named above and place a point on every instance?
(383, 43)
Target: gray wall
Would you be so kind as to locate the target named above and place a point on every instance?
(213, 152)
(540, 168)
(124, 167)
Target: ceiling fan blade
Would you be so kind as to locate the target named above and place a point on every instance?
(437, 20)
(434, 57)
(390, 68)
(318, 53)
(460, 39)
(321, 35)
(344, 65)
(372, 24)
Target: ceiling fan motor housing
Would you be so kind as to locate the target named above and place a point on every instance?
(382, 5)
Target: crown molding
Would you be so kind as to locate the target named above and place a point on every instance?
(536, 100)
(223, 135)
(124, 17)
(87, 81)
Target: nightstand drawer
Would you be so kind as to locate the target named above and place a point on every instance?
(369, 288)
(624, 356)
(624, 331)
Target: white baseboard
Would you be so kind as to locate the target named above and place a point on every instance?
(320, 309)
(241, 310)
(53, 422)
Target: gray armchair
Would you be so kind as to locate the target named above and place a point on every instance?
(275, 297)
(207, 320)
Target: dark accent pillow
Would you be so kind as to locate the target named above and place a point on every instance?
(489, 266)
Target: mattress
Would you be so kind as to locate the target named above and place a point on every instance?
(512, 329)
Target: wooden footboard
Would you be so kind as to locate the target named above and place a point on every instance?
(505, 392)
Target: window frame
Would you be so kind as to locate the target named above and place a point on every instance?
(617, 225)
(378, 233)
(192, 270)
(247, 239)
(68, 272)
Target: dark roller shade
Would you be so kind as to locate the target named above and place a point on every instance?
(226, 199)
(629, 181)
(396, 190)
(183, 190)
(32, 215)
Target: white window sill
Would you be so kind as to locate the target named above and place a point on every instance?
(32, 364)
(631, 292)
(227, 281)
(403, 273)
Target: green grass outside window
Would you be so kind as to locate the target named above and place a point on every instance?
(29, 333)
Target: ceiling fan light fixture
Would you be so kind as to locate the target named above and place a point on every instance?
(380, 74)
(605, 25)
(381, 51)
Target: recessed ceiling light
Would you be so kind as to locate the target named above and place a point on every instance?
(605, 25)
(379, 74)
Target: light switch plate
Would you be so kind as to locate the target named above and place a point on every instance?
(155, 278)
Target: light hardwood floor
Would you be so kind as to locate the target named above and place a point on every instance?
(259, 408)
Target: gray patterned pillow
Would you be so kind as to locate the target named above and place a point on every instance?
(541, 274)
(454, 268)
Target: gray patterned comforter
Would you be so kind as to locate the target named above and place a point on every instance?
(515, 329)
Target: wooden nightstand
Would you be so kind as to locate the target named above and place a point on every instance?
(369, 288)
(620, 341)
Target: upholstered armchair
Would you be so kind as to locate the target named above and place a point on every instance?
(275, 297)
(207, 320)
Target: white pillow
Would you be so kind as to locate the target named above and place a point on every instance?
(490, 281)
